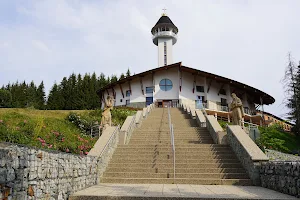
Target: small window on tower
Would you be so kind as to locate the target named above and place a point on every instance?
(165, 53)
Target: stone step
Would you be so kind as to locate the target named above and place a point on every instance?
(178, 150)
(177, 175)
(178, 170)
(184, 153)
(178, 156)
(153, 145)
(177, 142)
(196, 181)
(178, 161)
(179, 165)
(168, 138)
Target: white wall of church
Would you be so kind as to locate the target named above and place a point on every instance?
(171, 74)
(147, 82)
(136, 94)
(186, 95)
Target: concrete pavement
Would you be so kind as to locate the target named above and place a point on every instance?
(176, 191)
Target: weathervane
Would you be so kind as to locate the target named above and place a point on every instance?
(164, 13)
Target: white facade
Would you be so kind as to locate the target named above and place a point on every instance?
(185, 88)
(165, 53)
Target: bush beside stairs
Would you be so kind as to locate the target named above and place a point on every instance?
(148, 157)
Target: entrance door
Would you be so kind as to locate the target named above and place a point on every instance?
(149, 100)
(167, 103)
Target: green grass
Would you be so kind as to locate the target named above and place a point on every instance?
(274, 137)
(51, 129)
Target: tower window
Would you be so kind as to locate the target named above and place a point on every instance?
(165, 53)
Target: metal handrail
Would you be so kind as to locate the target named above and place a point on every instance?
(172, 141)
(115, 131)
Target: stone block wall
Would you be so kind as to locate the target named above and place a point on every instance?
(282, 176)
(28, 173)
(247, 152)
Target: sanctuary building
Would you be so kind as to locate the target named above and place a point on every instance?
(173, 83)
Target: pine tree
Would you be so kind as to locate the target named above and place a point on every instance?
(40, 96)
(32, 95)
(122, 76)
(113, 79)
(52, 102)
(128, 73)
(5, 98)
(94, 101)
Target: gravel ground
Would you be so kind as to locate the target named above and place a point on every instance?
(279, 156)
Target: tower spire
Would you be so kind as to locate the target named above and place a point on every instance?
(164, 12)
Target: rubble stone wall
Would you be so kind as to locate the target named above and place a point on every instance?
(28, 173)
(283, 176)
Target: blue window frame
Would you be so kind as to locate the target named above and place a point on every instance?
(149, 100)
(149, 90)
(165, 84)
(128, 93)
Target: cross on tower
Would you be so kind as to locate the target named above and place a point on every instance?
(164, 13)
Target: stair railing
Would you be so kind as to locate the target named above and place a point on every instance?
(172, 141)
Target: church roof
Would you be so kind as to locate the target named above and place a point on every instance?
(255, 93)
(164, 21)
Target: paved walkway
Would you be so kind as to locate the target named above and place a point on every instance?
(176, 191)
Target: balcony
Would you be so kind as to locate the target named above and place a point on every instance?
(216, 106)
(166, 34)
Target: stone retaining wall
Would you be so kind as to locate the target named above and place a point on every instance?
(282, 176)
(246, 151)
(28, 173)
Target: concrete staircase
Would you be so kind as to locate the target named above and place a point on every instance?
(148, 156)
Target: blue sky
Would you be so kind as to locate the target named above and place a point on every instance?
(247, 41)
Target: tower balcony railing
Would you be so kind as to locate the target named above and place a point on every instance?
(164, 33)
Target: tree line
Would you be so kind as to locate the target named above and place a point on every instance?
(76, 92)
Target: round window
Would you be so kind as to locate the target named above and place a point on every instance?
(165, 84)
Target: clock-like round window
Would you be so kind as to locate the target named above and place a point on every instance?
(165, 84)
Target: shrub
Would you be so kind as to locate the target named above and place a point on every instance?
(270, 138)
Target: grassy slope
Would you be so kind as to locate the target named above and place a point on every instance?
(291, 142)
(49, 128)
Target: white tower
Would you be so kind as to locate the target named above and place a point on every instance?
(164, 36)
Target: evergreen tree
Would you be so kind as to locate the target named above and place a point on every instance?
(80, 104)
(122, 76)
(40, 96)
(113, 79)
(128, 73)
(94, 99)
(52, 102)
(32, 95)
(5, 98)
(65, 92)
